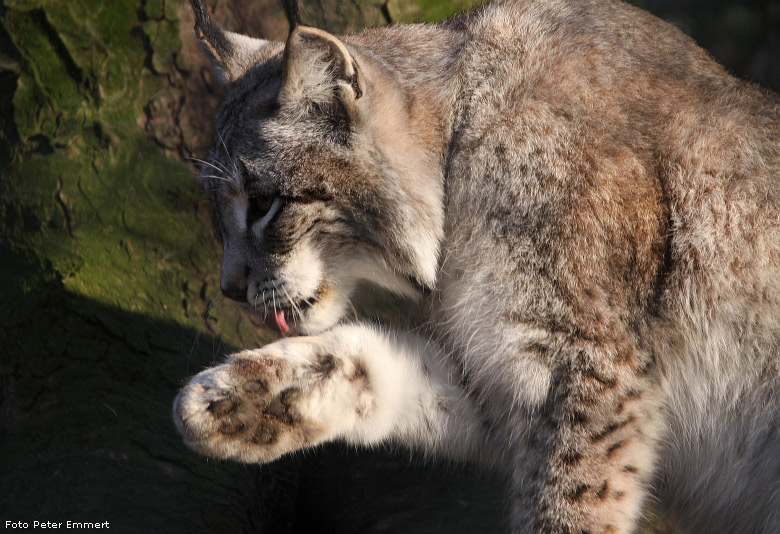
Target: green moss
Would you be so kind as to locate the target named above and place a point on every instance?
(164, 39)
(49, 84)
(108, 264)
(119, 221)
(154, 9)
(427, 10)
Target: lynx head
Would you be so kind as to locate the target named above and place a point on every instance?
(317, 176)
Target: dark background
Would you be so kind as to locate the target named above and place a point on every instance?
(108, 277)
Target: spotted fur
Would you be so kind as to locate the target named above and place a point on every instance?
(588, 206)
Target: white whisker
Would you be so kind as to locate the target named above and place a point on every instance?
(220, 178)
(294, 306)
(222, 140)
(216, 166)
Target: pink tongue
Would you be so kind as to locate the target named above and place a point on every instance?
(277, 322)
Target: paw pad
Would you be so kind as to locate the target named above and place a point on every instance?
(254, 386)
(222, 407)
(256, 406)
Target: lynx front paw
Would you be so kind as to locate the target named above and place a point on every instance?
(263, 403)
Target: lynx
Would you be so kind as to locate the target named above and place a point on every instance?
(587, 207)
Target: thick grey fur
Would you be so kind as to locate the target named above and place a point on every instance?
(588, 205)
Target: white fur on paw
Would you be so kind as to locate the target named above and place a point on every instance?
(264, 403)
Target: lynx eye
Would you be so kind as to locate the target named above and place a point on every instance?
(258, 206)
(262, 209)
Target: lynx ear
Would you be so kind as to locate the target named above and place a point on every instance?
(231, 53)
(318, 68)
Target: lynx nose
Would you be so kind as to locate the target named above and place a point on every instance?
(234, 273)
(233, 283)
(234, 291)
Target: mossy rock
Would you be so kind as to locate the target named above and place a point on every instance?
(428, 10)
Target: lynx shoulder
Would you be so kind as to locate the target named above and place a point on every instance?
(587, 205)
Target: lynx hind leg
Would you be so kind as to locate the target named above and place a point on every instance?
(595, 458)
(263, 403)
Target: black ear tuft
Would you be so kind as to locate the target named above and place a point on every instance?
(293, 13)
(201, 14)
(211, 35)
(231, 53)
